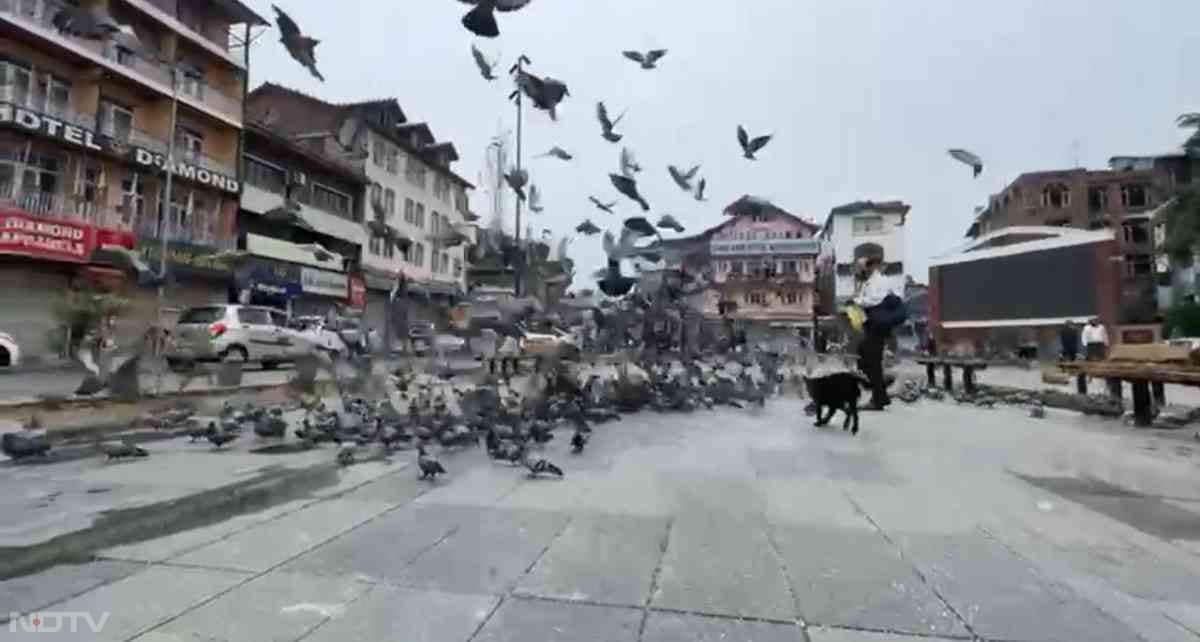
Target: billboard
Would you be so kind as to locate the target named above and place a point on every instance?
(1051, 283)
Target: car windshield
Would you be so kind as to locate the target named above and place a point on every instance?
(196, 316)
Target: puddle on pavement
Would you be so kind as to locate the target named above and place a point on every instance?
(269, 487)
(1146, 513)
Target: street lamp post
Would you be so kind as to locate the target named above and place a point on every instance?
(165, 204)
(520, 270)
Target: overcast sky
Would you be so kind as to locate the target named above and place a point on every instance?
(863, 96)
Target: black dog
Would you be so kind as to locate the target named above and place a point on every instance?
(837, 391)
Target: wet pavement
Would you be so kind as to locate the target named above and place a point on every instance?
(938, 520)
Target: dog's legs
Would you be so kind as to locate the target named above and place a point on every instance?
(853, 412)
(820, 421)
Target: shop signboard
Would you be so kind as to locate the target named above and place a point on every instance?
(765, 247)
(323, 282)
(269, 278)
(45, 238)
(197, 260)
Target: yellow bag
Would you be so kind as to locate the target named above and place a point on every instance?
(856, 316)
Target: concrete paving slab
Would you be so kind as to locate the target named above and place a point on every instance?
(390, 613)
(381, 550)
(398, 486)
(810, 501)
(275, 542)
(675, 627)
(488, 552)
(37, 591)
(521, 620)
(1003, 597)
(722, 566)
(277, 607)
(855, 578)
(147, 599)
(606, 559)
(818, 634)
(472, 481)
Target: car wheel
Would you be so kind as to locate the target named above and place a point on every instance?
(235, 354)
(5, 358)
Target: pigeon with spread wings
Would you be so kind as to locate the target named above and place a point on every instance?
(648, 60)
(607, 125)
(628, 187)
(481, 20)
(486, 69)
(587, 227)
(681, 178)
(300, 47)
(602, 206)
(750, 146)
(963, 156)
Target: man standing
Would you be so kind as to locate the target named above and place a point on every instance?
(1068, 336)
(874, 295)
(1095, 340)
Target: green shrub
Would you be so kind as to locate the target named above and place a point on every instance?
(1182, 320)
(81, 311)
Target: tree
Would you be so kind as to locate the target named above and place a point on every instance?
(79, 313)
(1181, 217)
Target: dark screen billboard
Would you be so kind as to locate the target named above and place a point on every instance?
(1053, 283)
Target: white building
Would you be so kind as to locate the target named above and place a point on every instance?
(864, 228)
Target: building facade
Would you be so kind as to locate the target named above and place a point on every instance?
(85, 129)
(859, 229)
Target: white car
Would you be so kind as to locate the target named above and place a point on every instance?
(10, 352)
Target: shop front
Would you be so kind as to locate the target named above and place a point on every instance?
(321, 291)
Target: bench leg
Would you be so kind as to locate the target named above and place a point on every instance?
(931, 375)
(1142, 412)
(1160, 393)
(1114, 388)
(1081, 383)
(969, 380)
(948, 378)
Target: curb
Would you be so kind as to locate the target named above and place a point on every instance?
(133, 525)
(69, 402)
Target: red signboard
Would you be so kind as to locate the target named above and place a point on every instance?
(57, 240)
(358, 291)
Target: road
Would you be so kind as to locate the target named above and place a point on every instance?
(938, 520)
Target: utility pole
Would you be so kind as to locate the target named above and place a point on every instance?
(516, 69)
(165, 202)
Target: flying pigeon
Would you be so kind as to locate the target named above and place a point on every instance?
(683, 179)
(319, 253)
(557, 152)
(546, 93)
(607, 125)
(640, 225)
(587, 227)
(629, 165)
(91, 23)
(485, 68)
(750, 146)
(128, 261)
(628, 187)
(300, 47)
(517, 179)
(648, 59)
(613, 283)
(603, 207)
(700, 190)
(535, 200)
(481, 20)
(627, 246)
(668, 222)
(963, 156)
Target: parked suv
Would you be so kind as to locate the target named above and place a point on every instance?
(242, 333)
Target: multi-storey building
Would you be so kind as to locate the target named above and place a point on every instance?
(859, 229)
(85, 127)
(412, 188)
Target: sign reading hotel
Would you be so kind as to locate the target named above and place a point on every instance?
(48, 126)
(188, 171)
(765, 246)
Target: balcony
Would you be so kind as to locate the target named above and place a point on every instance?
(37, 102)
(162, 13)
(258, 199)
(196, 231)
(36, 16)
(63, 207)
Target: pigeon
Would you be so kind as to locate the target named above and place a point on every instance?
(20, 446)
(1037, 411)
(641, 226)
(647, 60)
(219, 438)
(535, 200)
(197, 434)
(668, 222)
(430, 467)
(558, 152)
(300, 47)
(542, 467)
(481, 20)
(700, 190)
(683, 179)
(345, 456)
(750, 146)
(963, 156)
(628, 187)
(578, 441)
(122, 450)
(606, 125)
(603, 207)
(486, 69)
(587, 227)
(517, 179)
(629, 165)
(613, 283)
(546, 93)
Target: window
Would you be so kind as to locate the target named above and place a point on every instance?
(415, 171)
(114, 121)
(375, 245)
(865, 225)
(278, 319)
(1138, 264)
(757, 298)
(265, 175)
(441, 188)
(735, 267)
(418, 254)
(1134, 196)
(53, 95)
(1097, 198)
(1056, 195)
(435, 224)
(324, 198)
(393, 161)
(1136, 232)
(378, 153)
(190, 141)
(133, 196)
(460, 200)
(409, 211)
(202, 316)
(41, 91)
(376, 194)
(457, 268)
(445, 262)
(789, 298)
(791, 267)
(380, 246)
(419, 216)
(389, 203)
(20, 79)
(191, 81)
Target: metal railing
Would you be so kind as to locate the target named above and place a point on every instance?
(38, 15)
(196, 231)
(37, 102)
(62, 207)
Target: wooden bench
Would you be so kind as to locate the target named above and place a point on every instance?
(947, 364)
(1147, 368)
